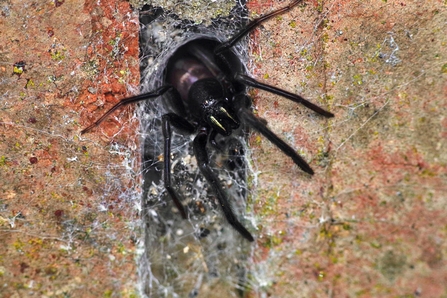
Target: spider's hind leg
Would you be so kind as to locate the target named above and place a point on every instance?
(247, 116)
(246, 80)
(181, 124)
(201, 154)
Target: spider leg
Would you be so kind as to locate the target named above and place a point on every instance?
(246, 80)
(249, 118)
(156, 93)
(201, 154)
(181, 124)
(253, 24)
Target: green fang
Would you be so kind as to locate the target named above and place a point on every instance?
(226, 114)
(217, 123)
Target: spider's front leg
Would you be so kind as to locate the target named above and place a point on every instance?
(145, 96)
(183, 125)
(253, 24)
(201, 155)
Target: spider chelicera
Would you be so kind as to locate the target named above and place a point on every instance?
(204, 92)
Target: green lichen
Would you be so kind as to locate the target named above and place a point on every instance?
(322, 157)
(91, 68)
(121, 248)
(444, 68)
(18, 245)
(320, 6)
(17, 70)
(116, 46)
(2, 160)
(22, 95)
(346, 226)
(269, 206)
(58, 55)
(123, 76)
(375, 244)
(357, 79)
(326, 233)
(274, 240)
(29, 84)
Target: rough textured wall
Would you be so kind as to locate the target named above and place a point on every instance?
(370, 223)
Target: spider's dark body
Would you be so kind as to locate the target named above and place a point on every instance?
(204, 93)
(205, 84)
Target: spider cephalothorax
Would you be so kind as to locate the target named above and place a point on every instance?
(205, 93)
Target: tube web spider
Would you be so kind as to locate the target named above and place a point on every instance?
(204, 93)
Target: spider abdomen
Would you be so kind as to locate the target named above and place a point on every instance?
(184, 73)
